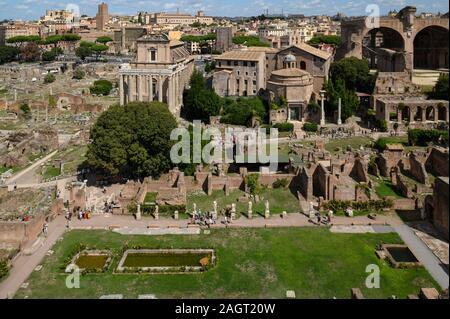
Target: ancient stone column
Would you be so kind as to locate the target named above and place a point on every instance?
(339, 120)
(322, 108)
(138, 212)
(130, 91)
(122, 101)
(411, 114)
(160, 89)
(157, 212)
(139, 87)
(233, 211)
(170, 94)
(267, 210)
(250, 211)
(150, 94)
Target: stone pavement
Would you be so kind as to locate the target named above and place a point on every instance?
(28, 174)
(23, 265)
(106, 221)
(426, 257)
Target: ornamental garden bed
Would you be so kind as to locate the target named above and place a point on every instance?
(166, 260)
(91, 261)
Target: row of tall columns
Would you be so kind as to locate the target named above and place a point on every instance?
(423, 116)
(133, 87)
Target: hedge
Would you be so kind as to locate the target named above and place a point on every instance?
(370, 205)
(310, 127)
(284, 127)
(421, 137)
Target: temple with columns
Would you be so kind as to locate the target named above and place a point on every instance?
(160, 72)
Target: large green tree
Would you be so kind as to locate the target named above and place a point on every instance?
(8, 54)
(354, 72)
(199, 101)
(132, 140)
(440, 90)
(242, 110)
(327, 39)
(349, 99)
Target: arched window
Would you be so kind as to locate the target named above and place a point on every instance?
(303, 65)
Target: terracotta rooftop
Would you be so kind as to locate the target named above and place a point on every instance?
(290, 72)
(241, 55)
(314, 51)
(394, 147)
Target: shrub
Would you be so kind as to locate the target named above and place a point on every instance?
(252, 181)
(49, 78)
(284, 127)
(382, 125)
(4, 269)
(25, 108)
(167, 210)
(422, 137)
(310, 127)
(79, 74)
(370, 205)
(101, 87)
(280, 183)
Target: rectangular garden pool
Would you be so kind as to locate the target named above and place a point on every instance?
(166, 260)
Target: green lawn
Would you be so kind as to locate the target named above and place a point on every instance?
(251, 263)
(280, 199)
(51, 172)
(342, 143)
(72, 158)
(150, 197)
(4, 169)
(385, 188)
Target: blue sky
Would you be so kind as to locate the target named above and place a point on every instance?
(33, 9)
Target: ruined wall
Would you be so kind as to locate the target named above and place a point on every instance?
(437, 162)
(440, 203)
(417, 169)
(16, 234)
(320, 181)
(359, 171)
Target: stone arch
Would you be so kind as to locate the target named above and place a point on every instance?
(406, 113)
(442, 113)
(431, 48)
(377, 39)
(418, 114)
(429, 113)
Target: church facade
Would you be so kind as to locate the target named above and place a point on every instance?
(160, 72)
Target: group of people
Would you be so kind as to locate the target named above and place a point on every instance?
(108, 208)
(202, 219)
(326, 220)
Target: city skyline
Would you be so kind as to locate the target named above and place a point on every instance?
(34, 9)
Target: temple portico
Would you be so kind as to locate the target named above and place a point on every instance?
(161, 72)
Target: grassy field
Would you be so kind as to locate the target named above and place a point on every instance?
(342, 143)
(280, 199)
(385, 188)
(251, 263)
(51, 172)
